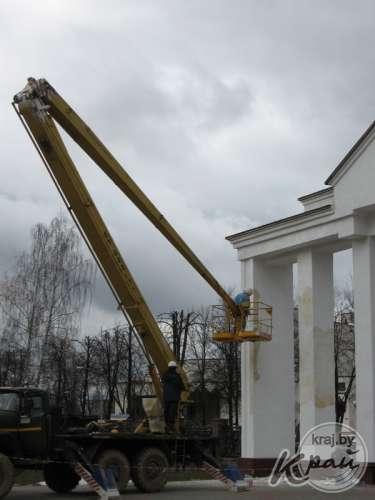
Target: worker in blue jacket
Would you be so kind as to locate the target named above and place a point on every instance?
(172, 387)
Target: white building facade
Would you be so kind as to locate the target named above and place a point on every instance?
(339, 217)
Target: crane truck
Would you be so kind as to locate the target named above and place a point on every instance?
(32, 433)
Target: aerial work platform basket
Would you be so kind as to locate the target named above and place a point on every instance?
(253, 325)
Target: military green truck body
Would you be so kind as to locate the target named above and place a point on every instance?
(34, 435)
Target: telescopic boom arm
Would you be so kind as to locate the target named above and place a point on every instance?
(39, 106)
(65, 116)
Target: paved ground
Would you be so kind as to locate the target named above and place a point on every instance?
(198, 490)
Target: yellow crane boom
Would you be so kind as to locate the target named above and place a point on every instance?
(81, 133)
(39, 106)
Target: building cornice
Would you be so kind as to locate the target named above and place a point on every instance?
(282, 223)
(316, 194)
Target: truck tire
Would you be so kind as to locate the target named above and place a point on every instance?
(118, 463)
(150, 470)
(60, 477)
(6, 475)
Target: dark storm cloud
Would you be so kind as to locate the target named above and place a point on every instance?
(223, 112)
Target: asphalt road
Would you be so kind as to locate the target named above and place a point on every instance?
(197, 490)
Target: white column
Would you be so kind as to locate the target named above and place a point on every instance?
(267, 380)
(316, 339)
(364, 302)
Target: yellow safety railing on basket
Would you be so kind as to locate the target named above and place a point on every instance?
(253, 325)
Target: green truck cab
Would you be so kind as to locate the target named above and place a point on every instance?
(25, 423)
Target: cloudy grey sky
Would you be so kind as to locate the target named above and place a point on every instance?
(223, 112)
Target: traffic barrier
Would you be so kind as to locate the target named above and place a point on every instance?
(217, 474)
(99, 480)
(231, 478)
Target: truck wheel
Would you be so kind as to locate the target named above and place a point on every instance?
(118, 463)
(150, 470)
(60, 478)
(6, 475)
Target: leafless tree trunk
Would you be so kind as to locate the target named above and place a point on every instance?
(344, 347)
(201, 349)
(130, 372)
(177, 326)
(112, 348)
(86, 362)
(44, 295)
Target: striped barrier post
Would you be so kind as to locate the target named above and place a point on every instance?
(237, 485)
(218, 475)
(101, 481)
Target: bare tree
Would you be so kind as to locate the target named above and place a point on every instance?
(344, 350)
(12, 361)
(228, 370)
(86, 368)
(177, 326)
(228, 378)
(112, 349)
(44, 295)
(63, 376)
(203, 355)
